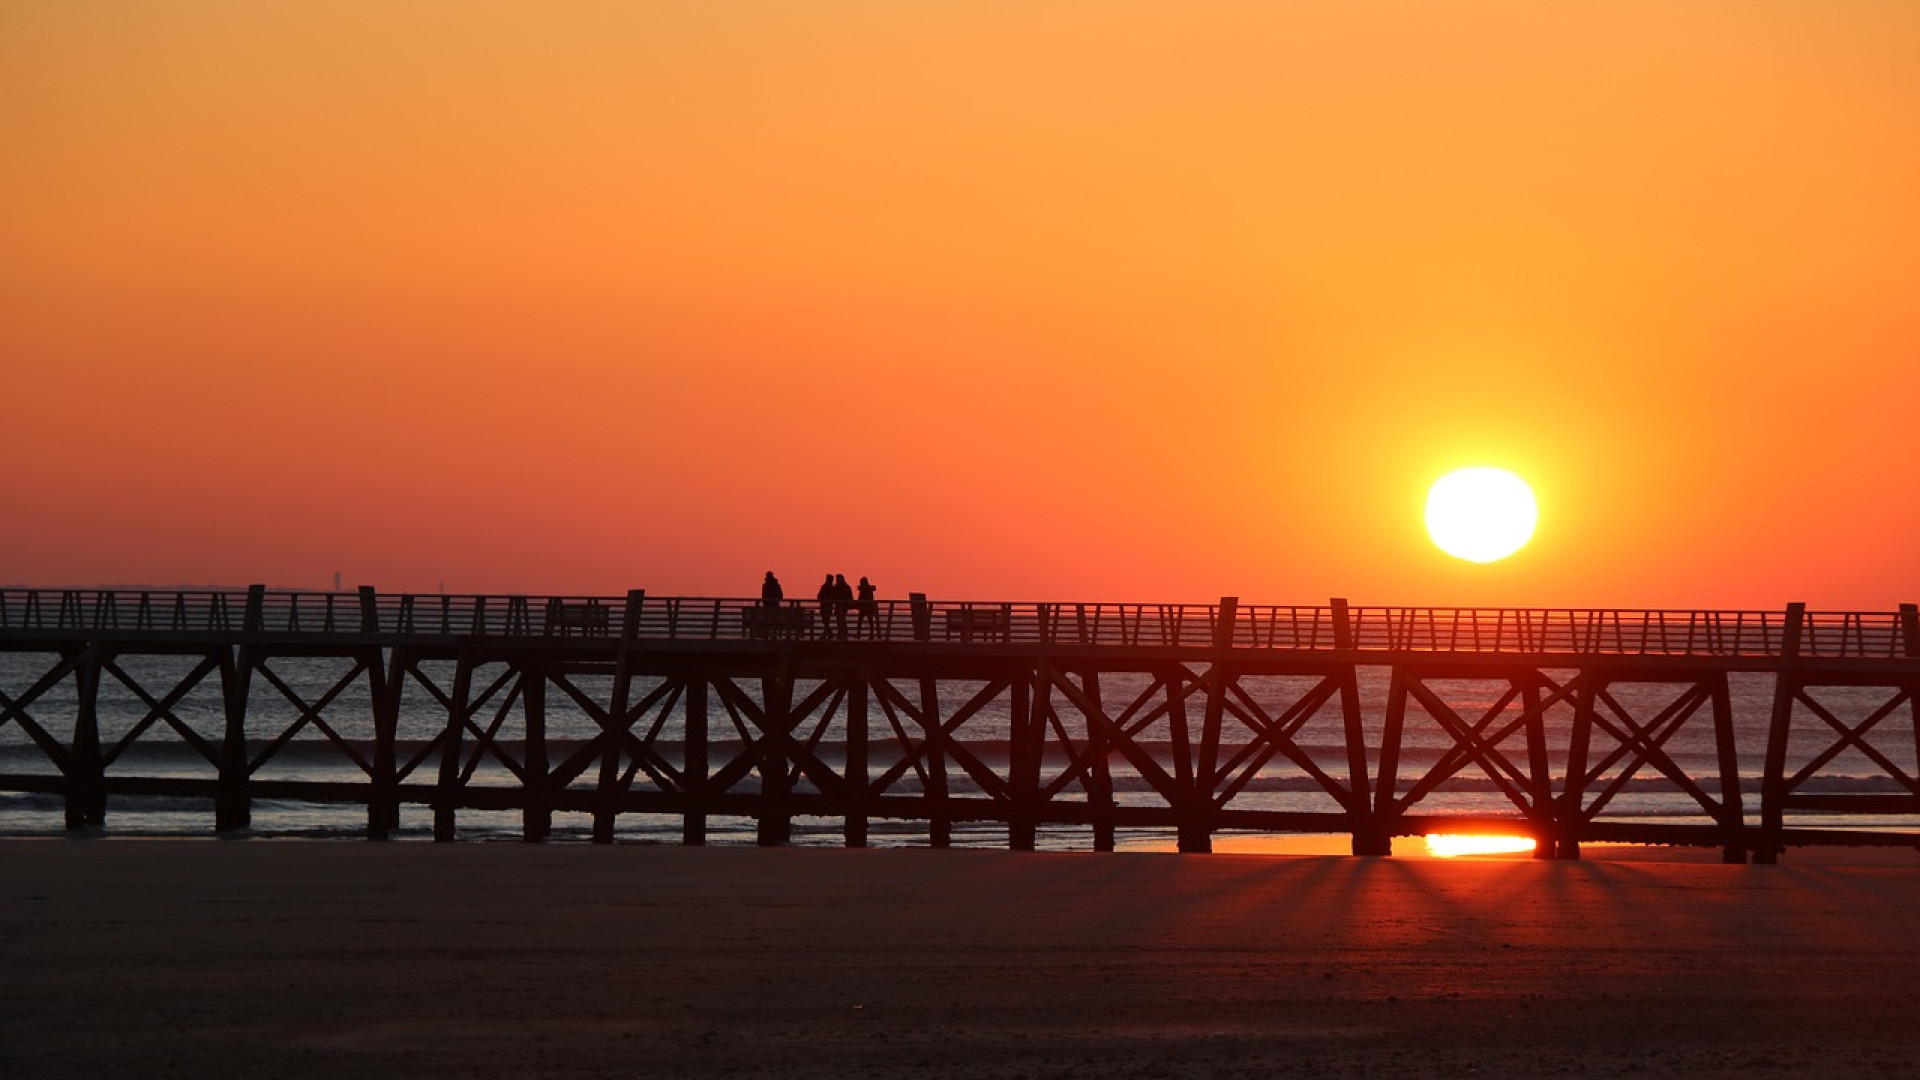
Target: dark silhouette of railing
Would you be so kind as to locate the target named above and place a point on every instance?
(1336, 626)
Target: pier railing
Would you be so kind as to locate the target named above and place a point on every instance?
(1336, 626)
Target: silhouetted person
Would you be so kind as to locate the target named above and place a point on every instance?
(825, 596)
(842, 602)
(869, 610)
(770, 592)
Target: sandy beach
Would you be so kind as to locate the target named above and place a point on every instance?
(310, 959)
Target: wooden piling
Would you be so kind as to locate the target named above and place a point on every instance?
(855, 774)
(1372, 834)
(386, 673)
(447, 794)
(1572, 812)
(775, 824)
(233, 805)
(86, 780)
(1787, 687)
(1541, 814)
(1733, 825)
(1100, 804)
(536, 809)
(934, 760)
(694, 768)
(1023, 763)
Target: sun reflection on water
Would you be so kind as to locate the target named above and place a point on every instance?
(1454, 845)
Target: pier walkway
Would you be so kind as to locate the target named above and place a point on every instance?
(1567, 725)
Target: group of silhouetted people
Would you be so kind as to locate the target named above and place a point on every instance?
(836, 599)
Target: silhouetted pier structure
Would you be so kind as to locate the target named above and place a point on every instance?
(1019, 714)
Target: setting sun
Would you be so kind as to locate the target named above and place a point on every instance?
(1481, 514)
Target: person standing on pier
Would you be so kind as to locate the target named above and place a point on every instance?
(869, 610)
(842, 603)
(770, 592)
(825, 596)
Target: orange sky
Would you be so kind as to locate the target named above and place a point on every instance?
(1055, 300)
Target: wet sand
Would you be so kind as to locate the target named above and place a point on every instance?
(339, 959)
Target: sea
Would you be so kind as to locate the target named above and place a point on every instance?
(311, 719)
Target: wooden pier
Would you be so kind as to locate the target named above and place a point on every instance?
(938, 713)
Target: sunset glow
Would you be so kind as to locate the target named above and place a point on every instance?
(1077, 301)
(1452, 845)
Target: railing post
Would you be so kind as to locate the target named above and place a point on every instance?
(1342, 623)
(255, 619)
(1773, 780)
(369, 611)
(1910, 629)
(630, 616)
(1223, 627)
(922, 616)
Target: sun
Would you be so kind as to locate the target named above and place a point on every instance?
(1481, 514)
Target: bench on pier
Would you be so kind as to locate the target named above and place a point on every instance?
(988, 624)
(588, 618)
(776, 622)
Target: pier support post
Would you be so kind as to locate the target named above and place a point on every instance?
(693, 822)
(1733, 823)
(856, 766)
(536, 812)
(232, 804)
(1371, 837)
(1773, 779)
(1192, 806)
(1100, 806)
(388, 675)
(446, 795)
(1546, 830)
(1023, 764)
(86, 779)
(775, 825)
(1570, 810)
(606, 806)
(934, 757)
(1369, 806)
(1373, 840)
